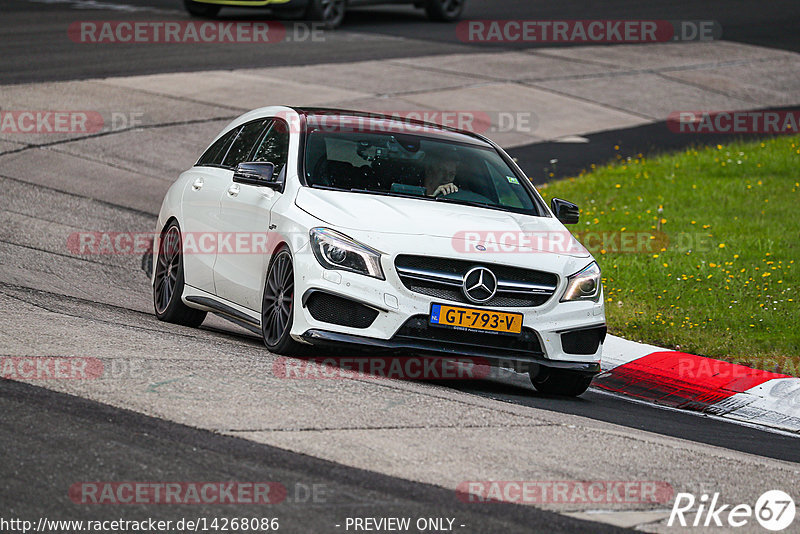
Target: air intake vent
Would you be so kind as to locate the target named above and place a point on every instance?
(339, 310)
(583, 341)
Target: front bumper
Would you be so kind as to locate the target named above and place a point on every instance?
(399, 314)
(519, 362)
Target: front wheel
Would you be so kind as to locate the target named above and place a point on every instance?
(444, 10)
(329, 12)
(277, 305)
(561, 382)
(199, 9)
(168, 282)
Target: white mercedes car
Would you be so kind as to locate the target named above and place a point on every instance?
(319, 227)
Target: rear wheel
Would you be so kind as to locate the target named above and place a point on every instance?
(199, 9)
(444, 10)
(561, 382)
(168, 282)
(329, 12)
(277, 305)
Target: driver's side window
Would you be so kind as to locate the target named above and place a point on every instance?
(216, 153)
(242, 146)
(274, 148)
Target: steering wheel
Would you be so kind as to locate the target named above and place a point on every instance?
(320, 174)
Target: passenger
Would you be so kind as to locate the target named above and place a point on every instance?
(440, 171)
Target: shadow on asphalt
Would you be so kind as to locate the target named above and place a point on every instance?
(52, 442)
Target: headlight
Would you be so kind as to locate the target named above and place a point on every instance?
(583, 285)
(337, 251)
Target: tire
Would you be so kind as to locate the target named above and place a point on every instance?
(444, 10)
(561, 382)
(198, 9)
(329, 12)
(277, 305)
(168, 282)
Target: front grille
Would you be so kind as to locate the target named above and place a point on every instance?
(441, 278)
(583, 341)
(339, 310)
(417, 328)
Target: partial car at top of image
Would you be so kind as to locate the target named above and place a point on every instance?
(367, 222)
(330, 12)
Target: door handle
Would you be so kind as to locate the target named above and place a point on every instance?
(198, 184)
(233, 190)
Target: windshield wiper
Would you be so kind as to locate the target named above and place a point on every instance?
(473, 203)
(388, 193)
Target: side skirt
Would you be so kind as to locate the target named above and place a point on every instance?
(226, 312)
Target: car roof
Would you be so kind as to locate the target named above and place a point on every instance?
(394, 123)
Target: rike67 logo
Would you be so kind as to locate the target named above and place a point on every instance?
(774, 510)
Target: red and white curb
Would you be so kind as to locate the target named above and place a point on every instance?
(700, 384)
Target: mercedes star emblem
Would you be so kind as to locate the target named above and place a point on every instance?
(479, 285)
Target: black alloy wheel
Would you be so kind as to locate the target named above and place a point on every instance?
(277, 305)
(329, 12)
(168, 282)
(444, 10)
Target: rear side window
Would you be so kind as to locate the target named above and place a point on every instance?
(217, 151)
(274, 146)
(243, 144)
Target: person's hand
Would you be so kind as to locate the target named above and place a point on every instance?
(445, 189)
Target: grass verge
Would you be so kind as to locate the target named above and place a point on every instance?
(720, 274)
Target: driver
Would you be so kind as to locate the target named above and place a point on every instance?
(440, 171)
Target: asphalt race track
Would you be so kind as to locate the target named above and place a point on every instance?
(203, 405)
(93, 438)
(34, 45)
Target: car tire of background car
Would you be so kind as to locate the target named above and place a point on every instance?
(444, 10)
(199, 9)
(561, 382)
(277, 305)
(329, 12)
(168, 282)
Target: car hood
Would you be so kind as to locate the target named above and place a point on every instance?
(468, 227)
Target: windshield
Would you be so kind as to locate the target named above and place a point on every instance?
(413, 165)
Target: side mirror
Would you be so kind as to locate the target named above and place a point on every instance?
(566, 212)
(256, 173)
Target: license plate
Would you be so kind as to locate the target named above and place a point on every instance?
(474, 319)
